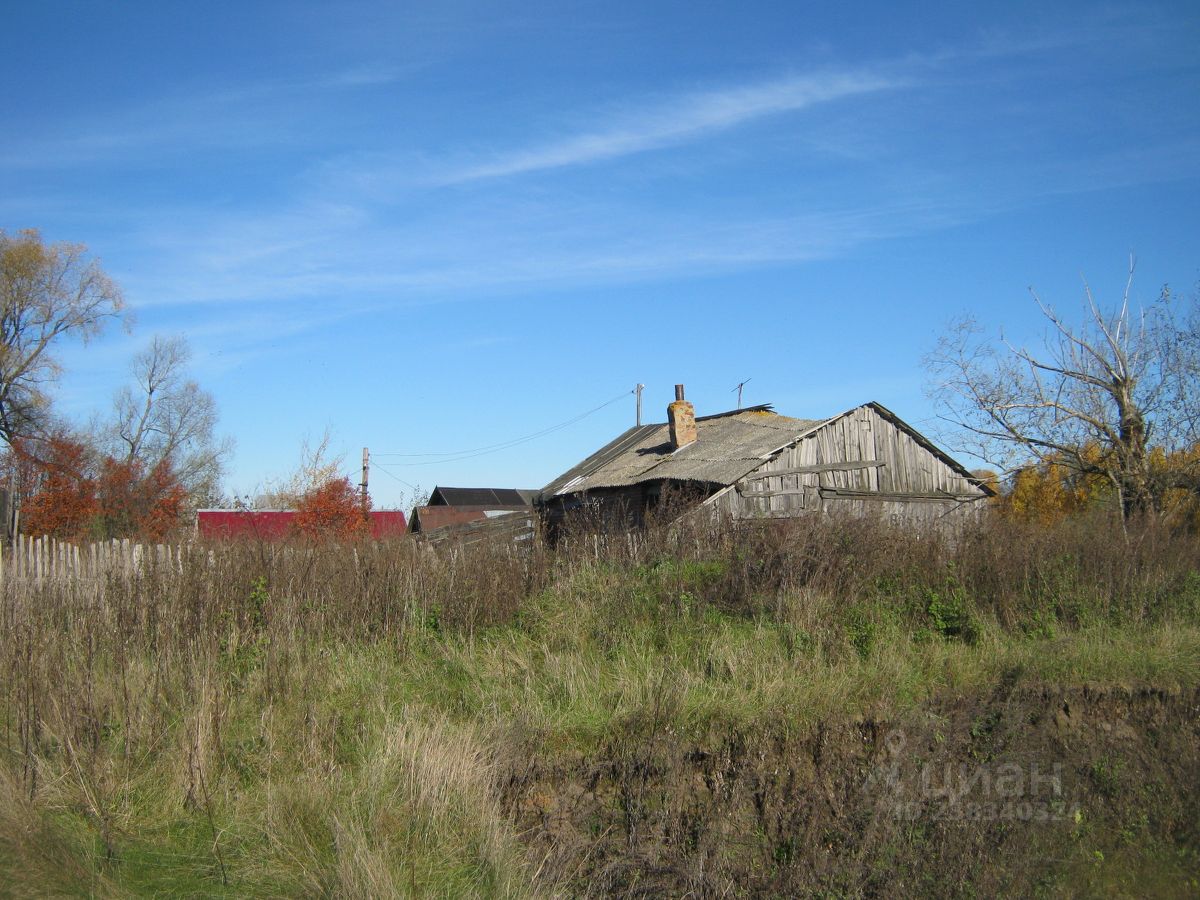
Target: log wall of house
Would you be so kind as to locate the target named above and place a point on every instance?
(861, 463)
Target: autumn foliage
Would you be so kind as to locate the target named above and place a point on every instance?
(136, 503)
(1053, 490)
(64, 503)
(72, 493)
(1047, 493)
(1179, 472)
(334, 509)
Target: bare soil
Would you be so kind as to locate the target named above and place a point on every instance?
(1026, 791)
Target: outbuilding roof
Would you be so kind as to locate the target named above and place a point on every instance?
(491, 498)
(430, 518)
(728, 446)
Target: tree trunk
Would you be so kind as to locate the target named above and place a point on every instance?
(1137, 495)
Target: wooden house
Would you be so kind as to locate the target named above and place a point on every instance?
(754, 463)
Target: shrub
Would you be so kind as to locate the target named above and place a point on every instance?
(334, 510)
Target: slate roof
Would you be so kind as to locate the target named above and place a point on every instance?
(728, 446)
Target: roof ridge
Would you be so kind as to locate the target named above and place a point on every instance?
(759, 407)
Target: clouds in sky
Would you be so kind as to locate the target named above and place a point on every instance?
(301, 182)
(197, 118)
(585, 206)
(281, 190)
(366, 229)
(684, 118)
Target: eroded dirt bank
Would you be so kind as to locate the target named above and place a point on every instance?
(1023, 791)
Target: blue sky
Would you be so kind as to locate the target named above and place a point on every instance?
(434, 228)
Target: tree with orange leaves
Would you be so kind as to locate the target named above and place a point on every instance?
(334, 509)
(72, 492)
(61, 471)
(132, 503)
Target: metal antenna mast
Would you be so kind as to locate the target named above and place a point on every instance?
(741, 385)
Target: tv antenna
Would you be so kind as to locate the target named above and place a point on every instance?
(741, 384)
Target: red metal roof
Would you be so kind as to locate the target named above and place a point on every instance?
(387, 523)
(273, 525)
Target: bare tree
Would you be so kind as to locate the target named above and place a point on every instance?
(1098, 397)
(317, 467)
(48, 292)
(166, 416)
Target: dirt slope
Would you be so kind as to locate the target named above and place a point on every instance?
(1026, 791)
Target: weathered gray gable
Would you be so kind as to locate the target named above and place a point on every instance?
(864, 460)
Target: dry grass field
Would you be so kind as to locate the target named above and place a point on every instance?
(700, 712)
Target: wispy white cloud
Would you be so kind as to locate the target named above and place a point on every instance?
(477, 251)
(1165, 160)
(677, 120)
(267, 112)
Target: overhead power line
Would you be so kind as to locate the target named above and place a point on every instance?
(383, 468)
(446, 456)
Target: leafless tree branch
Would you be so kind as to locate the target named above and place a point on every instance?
(1092, 398)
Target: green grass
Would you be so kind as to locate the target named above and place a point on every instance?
(260, 756)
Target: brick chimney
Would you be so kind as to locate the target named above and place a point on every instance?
(681, 416)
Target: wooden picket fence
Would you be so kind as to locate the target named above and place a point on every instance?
(42, 560)
(45, 559)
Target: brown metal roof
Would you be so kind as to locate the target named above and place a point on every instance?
(429, 518)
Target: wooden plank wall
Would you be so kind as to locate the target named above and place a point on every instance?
(860, 464)
(515, 527)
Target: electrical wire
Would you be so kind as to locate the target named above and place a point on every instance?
(383, 468)
(508, 443)
(446, 456)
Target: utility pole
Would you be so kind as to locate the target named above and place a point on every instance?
(638, 390)
(739, 391)
(366, 471)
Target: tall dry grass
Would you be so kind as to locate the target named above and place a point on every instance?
(328, 719)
